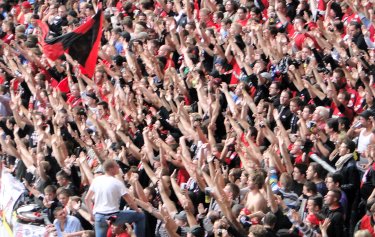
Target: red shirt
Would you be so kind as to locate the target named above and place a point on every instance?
(243, 22)
(366, 225)
(237, 69)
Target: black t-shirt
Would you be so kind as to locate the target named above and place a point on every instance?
(297, 188)
(282, 222)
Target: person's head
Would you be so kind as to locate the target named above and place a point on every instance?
(332, 126)
(270, 220)
(346, 147)
(285, 97)
(281, 7)
(226, 23)
(50, 192)
(297, 147)
(343, 97)
(333, 181)
(150, 193)
(62, 11)
(244, 177)
(295, 104)
(235, 29)
(196, 231)
(91, 99)
(111, 167)
(255, 14)
(8, 26)
(286, 182)
(274, 88)
(232, 191)
(62, 178)
(256, 181)
(314, 204)
(60, 213)
(10, 122)
(235, 175)
(230, 6)
(332, 198)
(364, 118)
(117, 227)
(299, 172)
(181, 219)
(354, 28)
(63, 196)
(26, 7)
(309, 189)
(89, 11)
(320, 114)
(257, 231)
(164, 51)
(103, 109)
(204, 14)
(315, 171)
(299, 23)
(241, 13)
(217, 17)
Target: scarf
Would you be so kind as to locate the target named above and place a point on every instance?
(342, 160)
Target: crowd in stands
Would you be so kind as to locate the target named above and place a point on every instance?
(203, 118)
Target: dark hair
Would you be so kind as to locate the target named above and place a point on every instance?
(57, 209)
(356, 24)
(318, 201)
(258, 179)
(336, 194)
(302, 168)
(243, 8)
(104, 104)
(297, 100)
(349, 144)
(344, 121)
(310, 186)
(311, 108)
(336, 177)
(236, 173)
(219, 14)
(62, 174)
(346, 95)
(270, 219)
(318, 169)
(333, 123)
(234, 189)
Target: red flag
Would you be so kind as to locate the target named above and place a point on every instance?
(82, 43)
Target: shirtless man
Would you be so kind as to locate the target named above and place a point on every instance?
(255, 200)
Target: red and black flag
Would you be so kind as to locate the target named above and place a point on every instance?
(82, 44)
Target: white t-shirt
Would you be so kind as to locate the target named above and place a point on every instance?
(107, 194)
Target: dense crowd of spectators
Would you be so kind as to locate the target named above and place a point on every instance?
(210, 118)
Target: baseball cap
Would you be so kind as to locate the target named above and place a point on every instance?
(197, 231)
(181, 216)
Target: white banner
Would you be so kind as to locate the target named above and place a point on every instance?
(24, 230)
(10, 190)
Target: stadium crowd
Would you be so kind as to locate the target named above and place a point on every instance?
(203, 118)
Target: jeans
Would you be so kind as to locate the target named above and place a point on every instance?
(127, 216)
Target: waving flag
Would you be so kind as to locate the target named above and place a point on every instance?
(82, 43)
